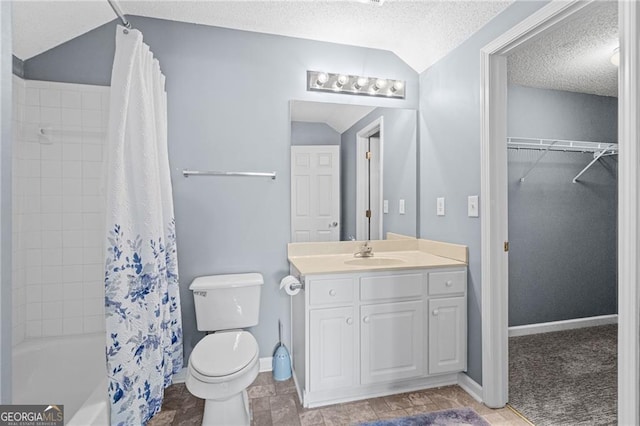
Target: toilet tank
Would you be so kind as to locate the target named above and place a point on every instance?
(225, 302)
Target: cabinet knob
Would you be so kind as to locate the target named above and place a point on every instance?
(349, 321)
(332, 292)
(366, 319)
(435, 312)
(449, 283)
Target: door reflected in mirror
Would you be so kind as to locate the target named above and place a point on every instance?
(353, 171)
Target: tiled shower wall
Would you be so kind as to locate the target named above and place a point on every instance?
(58, 210)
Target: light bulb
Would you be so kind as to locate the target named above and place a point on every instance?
(615, 58)
(380, 83)
(360, 83)
(397, 85)
(341, 81)
(322, 78)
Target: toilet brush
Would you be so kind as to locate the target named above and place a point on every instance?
(281, 361)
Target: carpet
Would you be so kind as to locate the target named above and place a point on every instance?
(565, 377)
(454, 416)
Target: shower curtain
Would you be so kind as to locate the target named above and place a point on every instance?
(143, 322)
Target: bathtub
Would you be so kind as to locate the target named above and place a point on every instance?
(69, 370)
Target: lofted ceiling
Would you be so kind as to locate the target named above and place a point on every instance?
(419, 32)
(573, 57)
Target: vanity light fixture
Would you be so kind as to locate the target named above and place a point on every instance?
(615, 58)
(320, 81)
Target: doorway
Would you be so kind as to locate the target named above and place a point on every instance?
(494, 208)
(369, 202)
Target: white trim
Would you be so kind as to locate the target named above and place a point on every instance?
(470, 386)
(628, 214)
(374, 127)
(548, 327)
(180, 376)
(266, 364)
(493, 175)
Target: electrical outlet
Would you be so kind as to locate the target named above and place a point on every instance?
(440, 206)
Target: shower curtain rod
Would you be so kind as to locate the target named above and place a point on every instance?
(116, 8)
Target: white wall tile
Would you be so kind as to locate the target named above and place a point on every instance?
(72, 238)
(72, 151)
(50, 117)
(34, 329)
(51, 204)
(70, 99)
(72, 273)
(51, 221)
(94, 323)
(52, 327)
(91, 100)
(93, 290)
(49, 98)
(34, 311)
(72, 221)
(71, 117)
(72, 256)
(90, 118)
(51, 186)
(52, 274)
(71, 186)
(72, 326)
(34, 293)
(73, 308)
(33, 275)
(72, 169)
(32, 114)
(92, 153)
(72, 203)
(52, 239)
(73, 291)
(52, 293)
(32, 97)
(51, 151)
(51, 310)
(51, 257)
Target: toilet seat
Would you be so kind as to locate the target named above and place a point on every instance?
(221, 356)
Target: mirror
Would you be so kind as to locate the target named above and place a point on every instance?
(353, 171)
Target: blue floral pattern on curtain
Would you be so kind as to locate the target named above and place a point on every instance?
(142, 298)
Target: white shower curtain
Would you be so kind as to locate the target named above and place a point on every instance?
(143, 323)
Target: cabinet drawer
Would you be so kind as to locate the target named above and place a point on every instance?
(391, 287)
(447, 282)
(330, 291)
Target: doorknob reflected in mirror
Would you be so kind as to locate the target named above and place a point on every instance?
(333, 224)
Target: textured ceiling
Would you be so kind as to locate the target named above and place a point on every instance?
(419, 32)
(340, 117)
(575, 57)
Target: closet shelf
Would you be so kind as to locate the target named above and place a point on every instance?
(599, 150)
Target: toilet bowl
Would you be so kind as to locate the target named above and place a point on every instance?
(223, 364)
(221, 367)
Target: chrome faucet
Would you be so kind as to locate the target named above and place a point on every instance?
(364, 251)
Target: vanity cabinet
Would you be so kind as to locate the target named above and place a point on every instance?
(366, 334)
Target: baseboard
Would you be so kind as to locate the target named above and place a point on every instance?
(547, 327)
(470, 386)
(266, 364)
(180, 376)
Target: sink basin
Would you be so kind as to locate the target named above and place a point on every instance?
(374, 261)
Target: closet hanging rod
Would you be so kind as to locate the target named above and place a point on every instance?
(561, 145)
(116, 9)
(187, 173)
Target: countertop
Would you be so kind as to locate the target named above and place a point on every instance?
(397, 254)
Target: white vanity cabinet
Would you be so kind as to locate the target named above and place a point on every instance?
(366, 334)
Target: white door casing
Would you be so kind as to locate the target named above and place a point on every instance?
(315, 193)
(364, 185)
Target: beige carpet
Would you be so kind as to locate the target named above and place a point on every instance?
(566, 377)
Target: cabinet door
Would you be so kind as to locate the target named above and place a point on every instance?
(447, 335)
(391, 341)
(331, 348)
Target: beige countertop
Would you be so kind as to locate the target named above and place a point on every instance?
(393, 254)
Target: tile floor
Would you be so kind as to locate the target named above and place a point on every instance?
(276, 403)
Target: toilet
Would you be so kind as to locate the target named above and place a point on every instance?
(224, 363)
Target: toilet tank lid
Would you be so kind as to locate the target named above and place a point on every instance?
(210, 282)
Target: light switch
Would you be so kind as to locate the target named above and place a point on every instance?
(440, 206)
(385, 206)
(472, 206)
(401, 207)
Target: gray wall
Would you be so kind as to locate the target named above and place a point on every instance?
(228, 109)
(6, 138)
(313, 134)
(450, 155)
(562, 235)
(399, 170)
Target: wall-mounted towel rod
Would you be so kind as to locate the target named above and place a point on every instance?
(187, 173)
(50, 131)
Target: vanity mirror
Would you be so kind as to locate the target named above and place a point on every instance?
(353, 171)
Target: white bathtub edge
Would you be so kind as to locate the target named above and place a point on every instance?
(95, 410)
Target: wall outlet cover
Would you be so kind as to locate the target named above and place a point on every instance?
(401, 207)
(385, 206)
(472, 206)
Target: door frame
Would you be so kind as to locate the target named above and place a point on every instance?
(361, 174)
(494, 208)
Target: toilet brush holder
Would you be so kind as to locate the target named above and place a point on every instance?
(281, 364)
